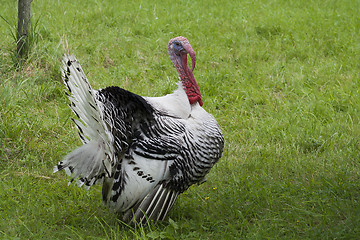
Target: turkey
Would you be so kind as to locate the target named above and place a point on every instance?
(144, 150)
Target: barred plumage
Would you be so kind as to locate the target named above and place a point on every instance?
(145, 150)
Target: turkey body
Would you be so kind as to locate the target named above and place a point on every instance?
(144, 150)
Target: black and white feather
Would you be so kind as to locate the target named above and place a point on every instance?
(144, 150)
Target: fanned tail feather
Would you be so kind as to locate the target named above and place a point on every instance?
(83, 102)
(84, 163)
(92, 161)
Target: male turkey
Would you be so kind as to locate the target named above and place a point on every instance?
(144, 150)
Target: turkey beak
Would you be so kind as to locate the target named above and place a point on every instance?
(191, 52)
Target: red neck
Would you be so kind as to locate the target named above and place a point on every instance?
(185, 73)
(188, 81)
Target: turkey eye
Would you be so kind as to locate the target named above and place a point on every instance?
(177, 44)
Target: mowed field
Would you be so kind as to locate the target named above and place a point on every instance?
(281, 77)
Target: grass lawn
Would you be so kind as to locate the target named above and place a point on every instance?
(281, 77)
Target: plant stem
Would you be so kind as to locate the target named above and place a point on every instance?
(24, 13)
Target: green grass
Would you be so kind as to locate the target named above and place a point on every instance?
(281, 77)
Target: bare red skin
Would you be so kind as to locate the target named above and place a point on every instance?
(185, 73)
